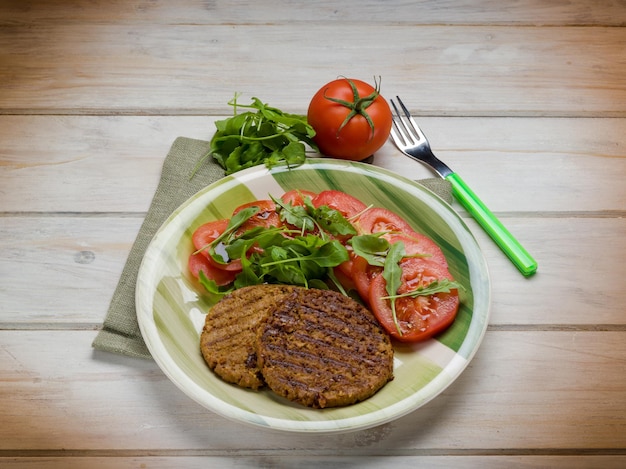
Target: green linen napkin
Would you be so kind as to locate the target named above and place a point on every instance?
(120, 331)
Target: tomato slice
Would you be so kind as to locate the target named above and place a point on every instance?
(348, 205)
(296, 197)
(205, 235)
(198, 262)
(265, 217)
(396, 228)
(362, 274)
(345, 280)
(418, 318)
(375, 220)
(346, 267)
(418, 244)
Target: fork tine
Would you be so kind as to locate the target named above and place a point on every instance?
(398, 139)
(401, 128)
(409, 118)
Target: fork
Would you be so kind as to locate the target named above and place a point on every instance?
(410, 139)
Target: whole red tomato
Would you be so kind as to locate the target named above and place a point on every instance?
(351, 119)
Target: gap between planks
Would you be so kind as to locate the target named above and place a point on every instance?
(243, 453)
(219, 113)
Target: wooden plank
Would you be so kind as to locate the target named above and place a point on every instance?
(62, 271)
(148, 69)
(112, 164)
(533, 12)
(582, 264)
(56, 394)
(308, 461)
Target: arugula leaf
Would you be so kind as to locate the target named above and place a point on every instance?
(262, 135)
(249, 275)
(215, 292)
(239, 219)
(333, 221)
(333, 278)
(296, 215)
(392, 273)
(321, 285)
(331, 254)
(437, 286)
(373, 247)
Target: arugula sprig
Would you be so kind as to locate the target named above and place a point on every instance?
(282, 254)
(297, 260)
(437, 286)
(263, 134)
(307, 217)
(372, 247)
(392, 273)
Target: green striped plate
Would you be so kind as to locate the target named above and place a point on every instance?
(171, 307)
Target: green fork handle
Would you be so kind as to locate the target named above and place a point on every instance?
(490, 223)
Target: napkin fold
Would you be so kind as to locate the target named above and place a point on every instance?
(120, 331)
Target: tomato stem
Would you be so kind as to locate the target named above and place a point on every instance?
(358, 105)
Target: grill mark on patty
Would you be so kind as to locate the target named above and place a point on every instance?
(322, 349)
(343, 322)
(334, 353)
(223, 331)
(304, 359)
(337, 333)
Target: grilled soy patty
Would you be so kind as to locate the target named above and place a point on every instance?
(228, 341)
(322, 349)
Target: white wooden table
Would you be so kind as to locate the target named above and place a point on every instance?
(527, 100)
